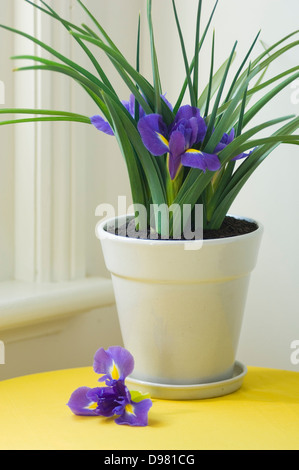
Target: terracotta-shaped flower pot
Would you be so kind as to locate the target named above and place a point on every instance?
(181, 310)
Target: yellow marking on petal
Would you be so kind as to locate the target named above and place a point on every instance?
(193, 151)
(163, 139)
(92, 406)
(129, 408)
(114, 372)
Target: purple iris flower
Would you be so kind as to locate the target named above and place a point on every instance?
(110, 402)
(226, 140)
(114, 399)
(103, 126)
(178, 140)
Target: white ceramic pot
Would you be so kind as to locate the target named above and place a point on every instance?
(181, 310)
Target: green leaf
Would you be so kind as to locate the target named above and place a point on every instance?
(242, 110)
(193, 99)
(95, 89)
(155, 68)
(216, 81)
(241, 67)
(211, 78)
(183, 90)
(268, 97)
(100, 28)
(71, 25)
(196, 51)
(143, 84)
(48, 118)
(136, 111)
(216, 104)
(249, 165)
(257, 66)
(129, 154)
(83, 46)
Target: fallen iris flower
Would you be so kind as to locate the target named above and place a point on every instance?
(114, 399)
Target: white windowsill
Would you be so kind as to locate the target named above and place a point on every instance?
(24, 303)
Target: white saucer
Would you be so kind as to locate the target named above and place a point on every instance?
(191, 392)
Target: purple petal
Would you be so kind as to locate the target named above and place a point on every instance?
(225, 140)
(219, 147)
(231, 136)
(135, 414)
(201, 160)
(177, 144)
(187, 112)
(242, 155)
(130, 107)
(177, 148)
(109, 403)
(80, 404)
(167, 102)
(153, 132)
(116, 363)
(102, 125)
(126, 104)
(173, 166)
(190, 116)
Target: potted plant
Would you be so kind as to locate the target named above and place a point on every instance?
(180, 264)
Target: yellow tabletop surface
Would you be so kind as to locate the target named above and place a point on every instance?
(263, 414)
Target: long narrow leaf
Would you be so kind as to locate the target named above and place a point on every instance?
(135, 178)
(100, 28)
(266, 98)
(211, 77)
(71, 25)
(241, 67)
(242, 110)
(48, 118)
(196, 51)
(216, 81)
(218, 98)
(155, 68)
(257, 66)
(82, 45)
(143, 84)
(193, 99)
(184, 87)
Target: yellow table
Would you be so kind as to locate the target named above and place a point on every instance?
(263, 414)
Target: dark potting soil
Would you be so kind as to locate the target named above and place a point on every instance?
(231, 227)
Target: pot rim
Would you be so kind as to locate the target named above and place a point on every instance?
(102, 234)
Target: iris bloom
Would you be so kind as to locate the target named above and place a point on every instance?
(181, 140)
(114, 399)
(103, 126)
(226, 140)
